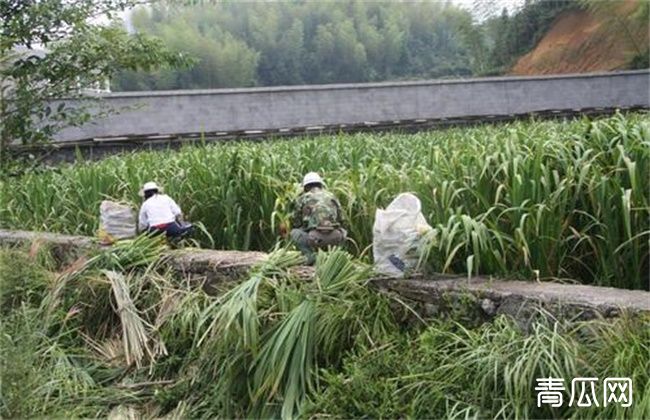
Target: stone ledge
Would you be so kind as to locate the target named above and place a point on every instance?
(432, 295)
(212, 268)
(63, 247)
(213, 263)
(519, 299)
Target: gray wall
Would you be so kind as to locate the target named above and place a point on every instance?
(209, 111)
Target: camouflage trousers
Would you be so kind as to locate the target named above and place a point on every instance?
(308, 242)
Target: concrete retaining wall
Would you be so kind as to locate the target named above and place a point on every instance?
(64, 248)
(485, 298)
(276, 108)
(431, 296)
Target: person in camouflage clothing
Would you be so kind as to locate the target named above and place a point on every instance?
(316, 219)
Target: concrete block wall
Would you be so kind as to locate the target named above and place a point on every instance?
(220, 110)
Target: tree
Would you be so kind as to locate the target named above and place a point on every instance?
(292, 49)
(50, 50)
(300, 42)
(475, 41)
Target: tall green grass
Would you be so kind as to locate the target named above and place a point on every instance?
(450, 371)
(276, 346)
(255, 351)
(549, 200)
(47, 369)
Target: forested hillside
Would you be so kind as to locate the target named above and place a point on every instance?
(290, 43)
(247, 44)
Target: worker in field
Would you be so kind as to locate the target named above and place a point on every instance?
(316, 219)
(160, 213)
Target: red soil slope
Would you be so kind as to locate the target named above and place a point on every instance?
(580, 41)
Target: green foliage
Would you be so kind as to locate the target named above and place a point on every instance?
(43, 375)
(22, 278)
(45, 370)
(273, 335)
(450, 371)
(49, 52)
(279, 346)
(131, 253)
(640, 61)
(92, 328)
(288, 43)
(532, 199)
(60, 341)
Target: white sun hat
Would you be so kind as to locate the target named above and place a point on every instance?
(149, 186)
(312, 178)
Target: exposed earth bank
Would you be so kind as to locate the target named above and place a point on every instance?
(581, 41)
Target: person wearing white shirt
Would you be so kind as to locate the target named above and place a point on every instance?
(160, 213)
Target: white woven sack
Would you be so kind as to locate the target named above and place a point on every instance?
(117, 220)
(397, 233)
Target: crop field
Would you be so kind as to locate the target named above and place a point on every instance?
(562, 201)
(521, 291)
(116, 333)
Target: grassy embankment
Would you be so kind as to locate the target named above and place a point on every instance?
(117, 334)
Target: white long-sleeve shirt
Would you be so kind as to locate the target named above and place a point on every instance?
(157, 210)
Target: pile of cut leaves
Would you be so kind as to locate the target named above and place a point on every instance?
(118, 333)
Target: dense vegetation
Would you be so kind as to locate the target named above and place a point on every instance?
(116, 334)
(451, 371)
(286, 43)
(49, 49)
(565, 200)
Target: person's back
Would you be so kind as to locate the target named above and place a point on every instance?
(157, 210)
(317, 218)
(318, 209)
(160, 213)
